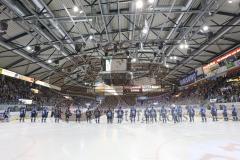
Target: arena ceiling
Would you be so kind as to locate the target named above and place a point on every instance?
(42, 36)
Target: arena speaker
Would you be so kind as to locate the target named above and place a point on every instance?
(37, 48)
(3, 27)
(78, 47)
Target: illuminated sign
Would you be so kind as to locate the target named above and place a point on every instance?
(189, 79)
(216, 61)
(28, 79)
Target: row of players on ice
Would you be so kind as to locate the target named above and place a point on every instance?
(150, 114)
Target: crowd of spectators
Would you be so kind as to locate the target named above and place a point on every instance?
(220, 89)
(11, 90)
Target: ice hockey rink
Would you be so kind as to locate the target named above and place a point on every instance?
(69, 141)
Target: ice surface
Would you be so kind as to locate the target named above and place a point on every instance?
(184, 141)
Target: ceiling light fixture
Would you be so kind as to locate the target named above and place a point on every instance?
(75, 9)
(205, 28)
(133, 60)
(90, 37)
(151, 1)
(139, 4)
(184, 45)
(28, 48)
(145, 30)
(230, 1)
(49, 61)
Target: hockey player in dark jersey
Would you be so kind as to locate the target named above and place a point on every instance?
(120, 115)
(68, 114)
(89, 115)
(109, 114)
(147, 114)
(153, 115)
(133, 113)
(234, 113)
(179, 112)
(6, 115)
(44, 114)
(191, 113)
(164, 114)
(97, 115)
(57, 114)
(78, 114)
(203, 113)
(22, 114)
(33, 114)
(225, 113)
(174, 114)
(214, 112)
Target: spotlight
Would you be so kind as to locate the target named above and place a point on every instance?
(184, 46)
(181, 46)
(166, 65)
(90, 37)
(230, 1)
(133, 60)
(49, 61)
(145, 30)
(205, 28)
(173, 58)
(75, 9)
(81, 11)
(139, 4)
(28, 48)
(151, 1)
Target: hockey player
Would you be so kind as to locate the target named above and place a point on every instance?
(138, 115)
(120, 115)
(33, 114)
(126, 115)
(97, 115)
(109, 114)
(22, 114)
(133, 112)
(179, 111)
(203, 113)
(44, 114)
(153, 115)
(164, 114)
(147, 114)
(214, 112)
(6, 115)
(234, 113)
(78, 114)
(68, 114)
(225, 113)
(89, 115)
(174, 114)
(57, 114)
(191, 113)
